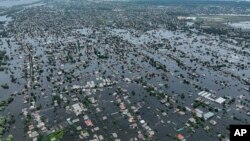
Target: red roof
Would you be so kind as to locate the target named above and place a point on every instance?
(88, 122)
(180, 136)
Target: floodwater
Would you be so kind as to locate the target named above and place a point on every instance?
(194, 49)
(5, 19)
(10, 3)
(242, 25)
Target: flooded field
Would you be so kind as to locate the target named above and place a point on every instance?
(241, 25)
(5, 20)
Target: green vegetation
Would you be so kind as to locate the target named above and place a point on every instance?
(2, 54)
(5, 103)
(57, 98)
(5, 86)
(56, 136)
(9, 138)
(5, 122)
(86, 101)
(3, 59)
